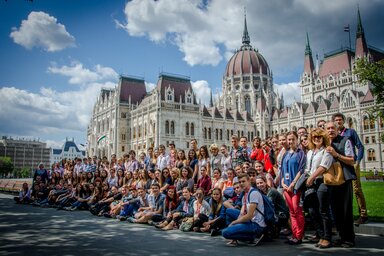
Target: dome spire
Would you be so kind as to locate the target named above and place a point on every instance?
(246, 40)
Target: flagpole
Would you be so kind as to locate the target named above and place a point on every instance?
(349, 33)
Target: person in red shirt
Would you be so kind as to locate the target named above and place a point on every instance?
(257, 153)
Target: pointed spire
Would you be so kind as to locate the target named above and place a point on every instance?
(308, 50)
(360, 29)
(246, 40)
(308, 60)
(211, 100)
(361, 43)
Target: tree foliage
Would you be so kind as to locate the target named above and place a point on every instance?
(373, 73)
(6, 165)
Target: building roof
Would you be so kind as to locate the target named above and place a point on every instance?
(368, 97)
(336, 62)
(180, 85)
(132, 87)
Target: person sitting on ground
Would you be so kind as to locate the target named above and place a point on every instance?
(170, 204)
(183, 210)
(250, 222)
(201, 210)
(217, 180)
(281, 208)
(130, 205)
(102, 206)
(156, 206)
(24, 195)
(216, 220)
(117, 205)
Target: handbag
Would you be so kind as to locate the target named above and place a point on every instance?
(186, 224)
(301, 182)
(334, 176)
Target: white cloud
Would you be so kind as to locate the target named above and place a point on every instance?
(290, 91)
(202, 91)
(52, 113)
(208, 34)
(149, 86)
(79, 75)
(43, 31)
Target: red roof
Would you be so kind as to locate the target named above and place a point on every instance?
(246, 61)
(177, 83)
(368, 97)
(133, 87)
(335, 63)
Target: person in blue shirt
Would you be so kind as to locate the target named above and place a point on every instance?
(339, 120)
(292, 167)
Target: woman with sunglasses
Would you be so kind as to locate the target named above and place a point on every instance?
(318, 161)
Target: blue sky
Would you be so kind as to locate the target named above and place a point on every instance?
(56, 55)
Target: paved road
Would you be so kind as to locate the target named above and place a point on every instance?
(28, 230)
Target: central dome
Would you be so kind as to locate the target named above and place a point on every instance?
(247, 60)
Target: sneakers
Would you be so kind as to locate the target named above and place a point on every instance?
(121, 218)
(131, 220)
(256, 241)
(361, 220)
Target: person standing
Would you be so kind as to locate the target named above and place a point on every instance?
(339, 120)
(341, 196)
(292, 167)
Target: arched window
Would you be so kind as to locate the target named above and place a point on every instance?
(205, 132)
(372, 124)
(192, 129)
(237, 103)
(209, 133)
(167, 127)
(228, 134)
(187, 129)
(172, 127)
(247, 101)
(371, 155)
(365, 123)
(221, 134)
(332, 97)
(217, 134)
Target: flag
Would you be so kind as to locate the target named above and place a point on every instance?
(101, 138)
(346, 28)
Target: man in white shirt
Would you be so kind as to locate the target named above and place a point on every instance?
(162, 159)
(250, 222)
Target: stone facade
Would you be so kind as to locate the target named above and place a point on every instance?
(127, 117)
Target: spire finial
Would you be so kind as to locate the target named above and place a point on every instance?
(211, 100)
(360, 29)
(246, 40)
(308, 50)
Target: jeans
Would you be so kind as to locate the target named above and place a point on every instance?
(231, 214)
(324, 204)
(247, 231)
(296, 214)
(129, 210)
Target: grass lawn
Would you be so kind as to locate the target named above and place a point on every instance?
(374, 196)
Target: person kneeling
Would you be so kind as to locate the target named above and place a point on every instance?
(250, 223)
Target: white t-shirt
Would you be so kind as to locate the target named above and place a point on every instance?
(255, 197)
(318, 158)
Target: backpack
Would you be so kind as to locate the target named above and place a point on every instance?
(271, 231)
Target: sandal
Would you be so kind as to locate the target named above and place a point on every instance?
(232, 243)
(325, 244)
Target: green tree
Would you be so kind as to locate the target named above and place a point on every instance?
(373, 73)
(6, 165)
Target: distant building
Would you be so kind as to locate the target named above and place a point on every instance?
(25, 153)
(69, 150)
(127, 117)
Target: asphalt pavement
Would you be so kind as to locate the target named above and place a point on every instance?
(29, 230)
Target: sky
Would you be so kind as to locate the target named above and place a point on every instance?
(57, 55)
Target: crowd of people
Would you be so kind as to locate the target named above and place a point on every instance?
(221, 190)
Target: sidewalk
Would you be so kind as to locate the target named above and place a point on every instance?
(371, 228)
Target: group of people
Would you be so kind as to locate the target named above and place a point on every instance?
(220, 190)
